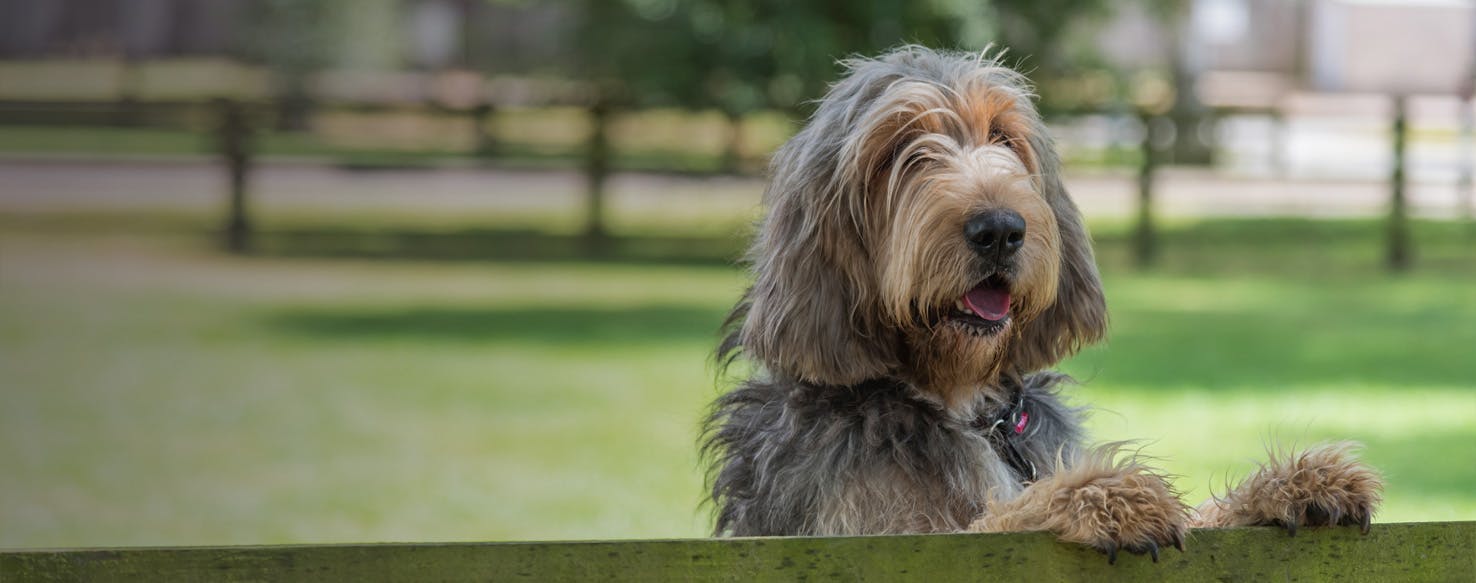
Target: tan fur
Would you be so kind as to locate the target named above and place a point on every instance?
(935, 157)
(925, 262)
(1104, 499)
(1321, 486)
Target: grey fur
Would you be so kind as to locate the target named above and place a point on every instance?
(833, 436)
(798, 459)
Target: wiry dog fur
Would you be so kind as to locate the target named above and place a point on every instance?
(878, 401)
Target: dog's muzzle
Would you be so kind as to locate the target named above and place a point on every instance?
(995, 235)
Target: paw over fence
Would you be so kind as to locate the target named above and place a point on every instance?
(1430, 551)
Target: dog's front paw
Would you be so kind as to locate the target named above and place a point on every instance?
(1109, 505)
(1133, 510)
(1326, 485)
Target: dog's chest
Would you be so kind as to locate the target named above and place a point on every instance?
(919, 470)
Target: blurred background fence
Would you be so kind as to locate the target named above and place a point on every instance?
(1265, 89)
(558, 191)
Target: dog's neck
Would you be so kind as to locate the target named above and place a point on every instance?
(1000, 412)
(966, 396)
(981, 400)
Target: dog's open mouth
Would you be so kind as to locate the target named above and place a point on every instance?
(985, 308)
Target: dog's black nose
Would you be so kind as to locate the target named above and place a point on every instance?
(997, 233)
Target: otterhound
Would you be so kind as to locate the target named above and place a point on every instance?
(919, 270)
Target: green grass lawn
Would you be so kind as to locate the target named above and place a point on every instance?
(154, 393)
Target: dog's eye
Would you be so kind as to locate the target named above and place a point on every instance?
(911, 153)
(997, 136)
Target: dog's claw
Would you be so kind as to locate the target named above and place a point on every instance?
(1153, 550)
(1112, 553)
(1179, 541)
(1334, 516)
(1365, 522)
(1291, 527)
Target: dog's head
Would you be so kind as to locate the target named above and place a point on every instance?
(917, 228)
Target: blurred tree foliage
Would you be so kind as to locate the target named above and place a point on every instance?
(739, 56)
(295, 38)
(1037, 30)
(742, 55)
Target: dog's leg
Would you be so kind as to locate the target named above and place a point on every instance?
(1098, 501)
(1321, 486)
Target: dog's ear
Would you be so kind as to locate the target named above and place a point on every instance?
(808, 314)
(1079, 315)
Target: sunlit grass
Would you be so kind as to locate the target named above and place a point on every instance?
(159, 394)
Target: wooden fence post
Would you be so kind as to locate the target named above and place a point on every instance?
(596, 170)
(1145, 241)
(1466, 181)
(1279, 135)
(130, 87)
(235, 150)
(1399, 251)
(733, 147)
(484, 140)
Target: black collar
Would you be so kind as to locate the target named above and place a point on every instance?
(1006, 427)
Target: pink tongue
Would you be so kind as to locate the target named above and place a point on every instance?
(989, 303)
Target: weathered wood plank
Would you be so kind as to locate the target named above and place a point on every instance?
(1391, 552)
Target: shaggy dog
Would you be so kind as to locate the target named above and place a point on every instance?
(919, 269)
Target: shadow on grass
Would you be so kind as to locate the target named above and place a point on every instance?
(1274, 348)
(1150, 351)
(1320, 310)
(610, 327)
(1296, 248)
(506, 245)
(1293, 247)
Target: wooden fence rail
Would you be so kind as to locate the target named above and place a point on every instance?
(1435, 551)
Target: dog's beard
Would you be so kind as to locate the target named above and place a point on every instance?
(960, 345)
(954, 361)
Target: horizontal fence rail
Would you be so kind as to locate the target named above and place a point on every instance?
(1436, 551)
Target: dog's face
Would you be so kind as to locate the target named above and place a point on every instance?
(917, 228)
(964, 241)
